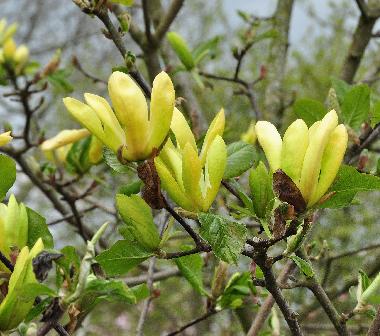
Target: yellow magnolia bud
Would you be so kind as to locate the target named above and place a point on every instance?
(191, 184)
(250, 135)
(63, 138)
(5, 138)
(271, 142)
(313, 156)
(14, 226)
(9, 49)
(296, 140)
(128, 129)
(14, 307)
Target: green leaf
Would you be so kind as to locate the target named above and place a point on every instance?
(131, 188)
(309, 110)
(303, 265)
(347, 184)
(122, 257)
(141, 291)
(341, 88)
(59, 80)
(240, 157)
(110, 290)
(375, 116)
(7, 174)
(226, 237)
(243, 196)
(239, 286)
(112, 161)
(32, 290)
(269, 34)
(191, 268)
(68, 268)
(355, 107)
(260, 183)
(205, 48)
(181, 49)
(37, 228)
(77, 158)
(138, 217)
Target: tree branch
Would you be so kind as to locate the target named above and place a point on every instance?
(374, 329)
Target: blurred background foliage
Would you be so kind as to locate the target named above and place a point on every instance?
(320, 34)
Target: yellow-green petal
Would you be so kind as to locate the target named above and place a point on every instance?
(182, 130)
(216, 128)
(313, 157)
(170, 185)
(5, 138)
(214, 169)
(161, 109)
(131, 110)
(63, 138)
(294, 146)
(112, 128)
(191, 174)
(271, 142)
(331, 161)
(86, 116)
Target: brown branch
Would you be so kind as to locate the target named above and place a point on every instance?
(193, 322)
(266, 307)
(160, 275)
(374, 329)
(360, 40)
(168, 19)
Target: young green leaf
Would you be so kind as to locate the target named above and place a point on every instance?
(122, 257)
(239, 286)
(37, 228)
(112, 161)
(260, 183)
(204, 49)
(347, 184)
(309, 110)
(7, 174)
(341, 88)
(191, 268)
(355, 107)
(138, 217)
(131, 188)
(303, 265)
(226, 237)
(240, 157)
(181, 49)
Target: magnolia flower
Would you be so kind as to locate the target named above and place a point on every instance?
(15, 307)
(310, 157)
(13, 55)
(130, 130)
(193, 180)
(5, 138)
(63, 138)
(13, 227)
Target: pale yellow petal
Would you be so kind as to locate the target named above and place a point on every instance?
(161, 109)
(182, 130)
(331, 161)
(313, 157)
(131, 110)
(63, 138)
(216, 128)
(271, 142)
(5, 138)
(294, 146)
